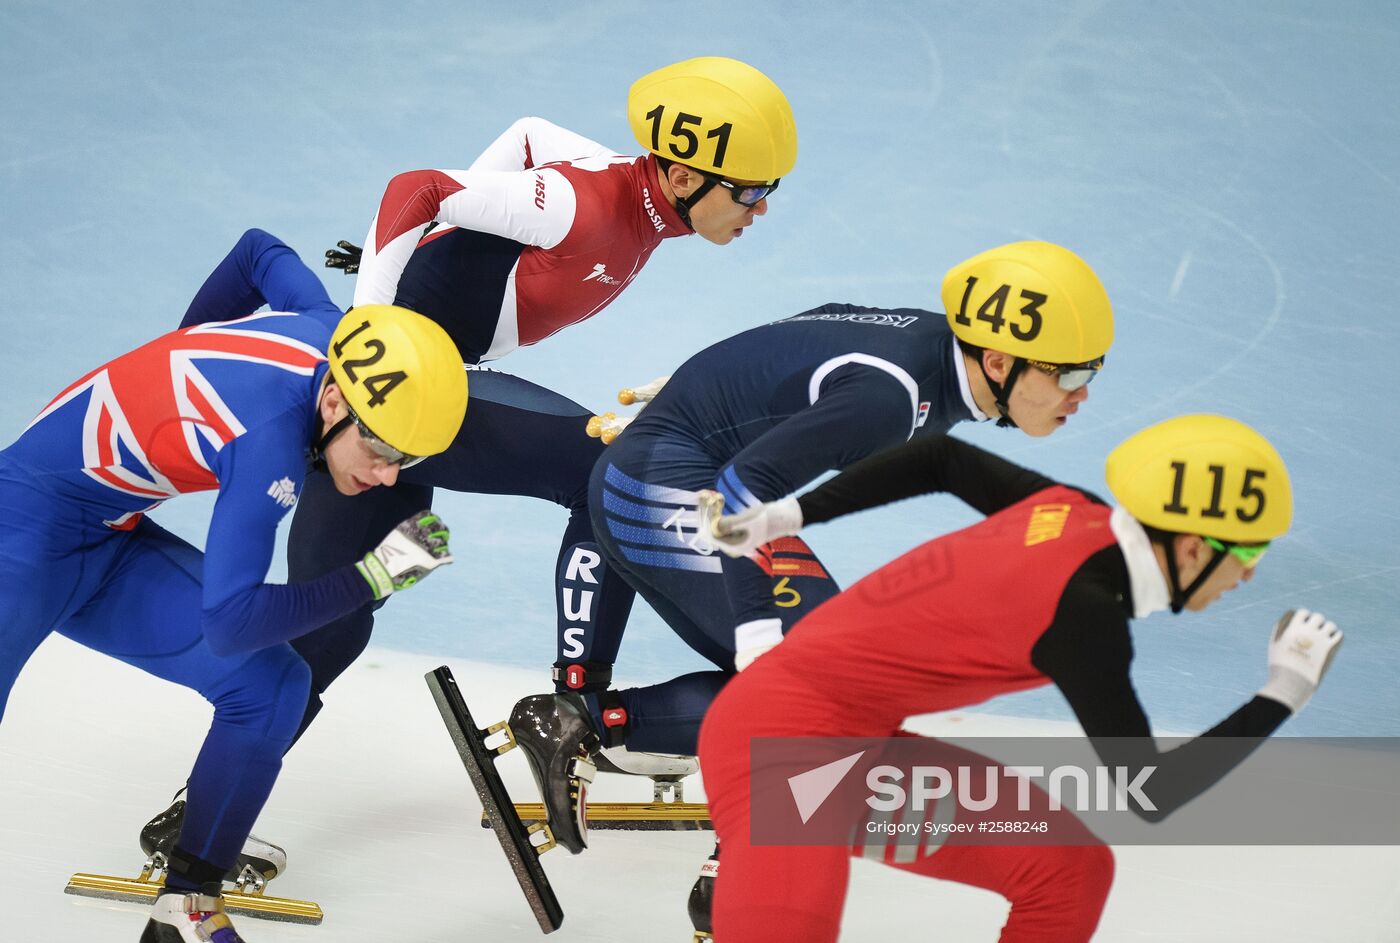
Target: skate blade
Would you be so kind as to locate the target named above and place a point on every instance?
(516, 837)
(137, 891)
(629, 816)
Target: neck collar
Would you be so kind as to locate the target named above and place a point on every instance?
(1145, 579)
(667, 220)
(965, 385)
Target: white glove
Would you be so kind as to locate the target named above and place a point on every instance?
(411, 551)
(608, 426)
(1300, 653)
(642, 394)
(739, 535)
(750, 655)
(754, 638)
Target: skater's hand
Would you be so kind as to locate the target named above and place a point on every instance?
(1300, 652)
(740, 535)
(608, 426)
(754, 638)
(411, 551)
(641, 394)
(347, 259)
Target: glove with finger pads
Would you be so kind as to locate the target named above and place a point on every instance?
(1300, 652)
(408, 554)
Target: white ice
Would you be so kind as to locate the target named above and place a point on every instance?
(381, 827)
(1232, 170)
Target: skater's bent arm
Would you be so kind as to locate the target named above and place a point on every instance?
(260, 269)
(860, 410)
(1087, 651)
(925, 465)
(242, 612)
(532, 207)
(530, 142)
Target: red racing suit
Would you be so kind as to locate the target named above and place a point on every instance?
(545, 229)
(1040, 591)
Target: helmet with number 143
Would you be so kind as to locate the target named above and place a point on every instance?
(1040, 306)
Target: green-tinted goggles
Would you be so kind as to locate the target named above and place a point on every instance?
(1069, 376)
(1247, 554)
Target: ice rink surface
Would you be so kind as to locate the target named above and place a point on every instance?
(1232, 171)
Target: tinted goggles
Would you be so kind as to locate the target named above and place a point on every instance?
(743, 193)
(382, 449)
(1247, 554)
(1069, 376)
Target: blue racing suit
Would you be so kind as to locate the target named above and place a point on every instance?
(227, 406)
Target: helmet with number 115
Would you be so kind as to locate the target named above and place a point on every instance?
(401, 376)
(718, 115)
(1205, 475)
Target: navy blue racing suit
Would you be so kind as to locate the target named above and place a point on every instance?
(756, 417)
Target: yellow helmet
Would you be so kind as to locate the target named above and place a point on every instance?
(1205, 475)
(401, 376)
(1033, 300)
(717, 115)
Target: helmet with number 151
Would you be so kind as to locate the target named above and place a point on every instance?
(401, 376)
(717, 115)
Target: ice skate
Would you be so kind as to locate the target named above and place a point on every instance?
(702, 896)
(258, 863)
(189, 918)
(517, 835)
(665, 770)
(667, 810)
(559, 740)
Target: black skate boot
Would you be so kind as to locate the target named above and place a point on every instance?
(189, 918)
(258, 863)
(702, 896)
(559, 740)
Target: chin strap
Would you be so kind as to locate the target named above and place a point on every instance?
(1002, 391)
(318, 448)
(684, 203)
(1181, 596)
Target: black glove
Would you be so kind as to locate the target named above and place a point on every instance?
(348, 259)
